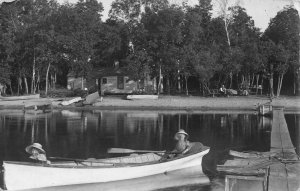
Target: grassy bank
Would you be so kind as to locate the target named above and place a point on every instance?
(290, 103)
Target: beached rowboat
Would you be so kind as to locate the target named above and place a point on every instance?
(24, 97)
(24, 175)
(141, 97)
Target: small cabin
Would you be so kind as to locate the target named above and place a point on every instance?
(76, 81)
(117, 81)
(114, 80)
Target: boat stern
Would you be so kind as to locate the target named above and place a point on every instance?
(2, 178)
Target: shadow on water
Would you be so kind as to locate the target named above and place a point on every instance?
(88, 134)
(293, 123)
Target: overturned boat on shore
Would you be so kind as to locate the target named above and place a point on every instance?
(142, 97)
(24, 97)
(25, 175)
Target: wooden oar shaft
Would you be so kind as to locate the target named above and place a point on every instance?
(67, 159)
(79, 160)
(123, 150)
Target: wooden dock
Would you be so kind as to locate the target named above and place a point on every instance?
(284, 175)
(277, 170)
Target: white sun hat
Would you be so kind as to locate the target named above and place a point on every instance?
(37, 146)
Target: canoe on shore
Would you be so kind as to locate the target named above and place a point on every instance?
(68, 102)
(24, 97)
(141, 97)
(93, 171)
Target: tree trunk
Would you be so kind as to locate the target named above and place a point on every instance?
(37, 84)
(179, 82)
(33, 74)
(225, 80)
(227, 33)
(186, 86)
(243, 79)
(55, 80)
(237, 81)
(11, 91)
(271, 86)
(47, 80)
(200, 86)
(219, 79)
(271, 81)
(279, 84)
(203, 88)
(262, 84)
(294, 84)
(230, 75)
(159, 81)
(19, 85)
(18, 90)
(257, 80)
(248, 81)
(26, 84)
(168, 85)
(51, 81)
(252, 81)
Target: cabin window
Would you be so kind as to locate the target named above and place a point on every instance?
(104, 80)
(120, 83)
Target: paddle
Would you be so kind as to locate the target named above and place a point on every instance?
(123, 150)
(79, 160)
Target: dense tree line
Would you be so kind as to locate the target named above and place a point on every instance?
(41, 41)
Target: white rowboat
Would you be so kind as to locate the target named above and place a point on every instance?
(24, 175)
(74, 100)
(141, 97)
(24, 97)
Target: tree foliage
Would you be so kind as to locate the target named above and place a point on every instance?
(41, 39)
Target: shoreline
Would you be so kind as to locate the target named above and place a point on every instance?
(185, 103)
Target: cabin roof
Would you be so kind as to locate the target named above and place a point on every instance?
(102, 72)
(74, 74)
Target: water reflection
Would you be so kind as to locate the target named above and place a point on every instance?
(88, 134)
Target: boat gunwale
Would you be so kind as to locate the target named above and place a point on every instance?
(105, 164)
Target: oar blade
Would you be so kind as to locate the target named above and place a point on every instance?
(120, 150)
(124, 150)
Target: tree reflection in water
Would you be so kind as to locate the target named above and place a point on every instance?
(88, 134)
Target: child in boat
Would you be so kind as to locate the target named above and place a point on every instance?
(182, 145)
(181, 148)
(37, 153)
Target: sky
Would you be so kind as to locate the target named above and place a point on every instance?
(261, 11)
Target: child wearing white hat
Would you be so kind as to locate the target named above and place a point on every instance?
(183, 145)
(37, 153)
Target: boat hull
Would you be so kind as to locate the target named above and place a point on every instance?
(38, 176)
(141, 97)
(25, 97)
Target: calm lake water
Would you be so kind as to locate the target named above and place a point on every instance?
(88, 134)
